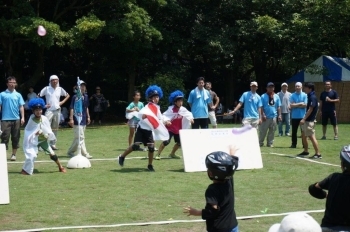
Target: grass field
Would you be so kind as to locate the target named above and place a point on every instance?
(106, 194)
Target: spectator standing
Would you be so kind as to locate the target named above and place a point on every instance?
(328, 98)
(11, 105)
(298, 102)
(53, 94)
(30, 96)
(99, 106)
(271, 111)
(215, 100)
(308, 121)
(285, 110)
(252, 106)
(199, 99)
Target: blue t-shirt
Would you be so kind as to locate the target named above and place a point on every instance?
(252, 103)
(199, 104)
(133, 105)
(312, 101)
(270, 107)
(328, 106)
(298, 113)
(10, 103)
(85, 107)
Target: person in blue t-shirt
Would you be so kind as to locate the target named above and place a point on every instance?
(298, 102)
(271, 112)
(199, 99)
(308, 121)
(11, 104)
(79, 128)
(252, 106)
(327, 109)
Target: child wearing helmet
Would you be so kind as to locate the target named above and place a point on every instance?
(38, 133)
(336, 216)
(151, 121)
(178, 117)
(219, 211)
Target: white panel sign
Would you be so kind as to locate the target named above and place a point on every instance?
(196, 144)
(4, 181)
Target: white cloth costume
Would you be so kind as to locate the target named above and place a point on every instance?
(30, 141)
(187, 116)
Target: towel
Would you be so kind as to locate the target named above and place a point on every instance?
(205, 93)
(169, 115)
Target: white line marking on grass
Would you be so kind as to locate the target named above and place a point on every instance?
(65, 161)
(306, 159)
(158, 222)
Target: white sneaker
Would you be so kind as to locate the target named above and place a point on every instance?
(145, 149)
(13, 158)
(88, 156)
(156, 149)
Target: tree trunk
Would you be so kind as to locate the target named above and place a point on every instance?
(132, 78)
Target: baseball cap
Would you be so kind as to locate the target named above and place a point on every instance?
(270, 84)
(53, 77)
(253, 83)
(297, 222)
(284, 84)
(299, 84)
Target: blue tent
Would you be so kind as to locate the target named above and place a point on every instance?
(333, 69)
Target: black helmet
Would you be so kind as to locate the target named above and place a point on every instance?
(345, 157)
(221, 165)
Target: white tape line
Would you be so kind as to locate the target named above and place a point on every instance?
(64, 160)
(306, 159)
(156, 223)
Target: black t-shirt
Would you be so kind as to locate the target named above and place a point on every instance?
(328, 106)
(312, 101)
(221, 194)
(338, 200)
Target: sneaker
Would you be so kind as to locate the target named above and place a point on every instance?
(287, 134)
(174, 156)
(323, 138)
(13, 158)
(140, 149)
(293, 146)
(304, 153)
(157, 157)
(316, 156)
(145, 149)
(156, 149)
(150, 168)
(261, 145)
(121, 160)
(270, 145)
(62, 169)
(335, 137)
(88, 156)
(54, 147)
(70, 155)
(40, 149)
(24, 172)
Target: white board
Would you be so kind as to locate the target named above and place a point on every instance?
(4, 181)
(196, 144)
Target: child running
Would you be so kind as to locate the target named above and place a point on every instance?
(131, 114)
(219, 211)
(178, 117)
(151, 121)
(38, 133)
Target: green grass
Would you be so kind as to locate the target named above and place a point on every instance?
(106, 194)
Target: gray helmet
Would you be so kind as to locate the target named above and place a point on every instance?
(345, 157)
(221, 165)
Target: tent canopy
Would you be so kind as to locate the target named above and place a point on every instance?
(325, 68)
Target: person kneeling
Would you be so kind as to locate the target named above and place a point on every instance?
(38, 133)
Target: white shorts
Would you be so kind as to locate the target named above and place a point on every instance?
(212, 118)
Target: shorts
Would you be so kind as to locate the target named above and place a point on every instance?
(308, 128)
(176, 138)
(212, 118)
(133, 123)
(46, 147)
(329, 115)
(254, 122)
(143, 136)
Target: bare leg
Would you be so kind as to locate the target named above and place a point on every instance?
(305, 143)
(335, 129)
(175, 148)
(324, 130)
(127, 151)
(14, 151)
(161, 148)
(131, 135)
(314, 144)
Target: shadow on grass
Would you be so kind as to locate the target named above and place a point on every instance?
(128, 170)
(177, 170)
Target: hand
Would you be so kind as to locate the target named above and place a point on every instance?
(136, 109)
(192, 121)
(190, 211)
(280, 118)
(264, 118)
(302, 122)
(22, 121)
(260, 121)
(88, 121)
(144, 116)
(168, 123)
(60, 103)
(212, 107)
(233, 149)
(48, 106)
(327, 99)
(71, 122)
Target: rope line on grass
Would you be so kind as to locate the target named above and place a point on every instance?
(305, 159)
(157, 222)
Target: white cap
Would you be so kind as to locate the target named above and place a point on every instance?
(253, 83)
(284, 84)
(82, 82)
(54, 77)
(299, 84)
(297, 222)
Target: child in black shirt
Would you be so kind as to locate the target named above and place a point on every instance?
(336, 216)
(219, 211)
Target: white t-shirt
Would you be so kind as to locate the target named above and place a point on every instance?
(53, 96)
